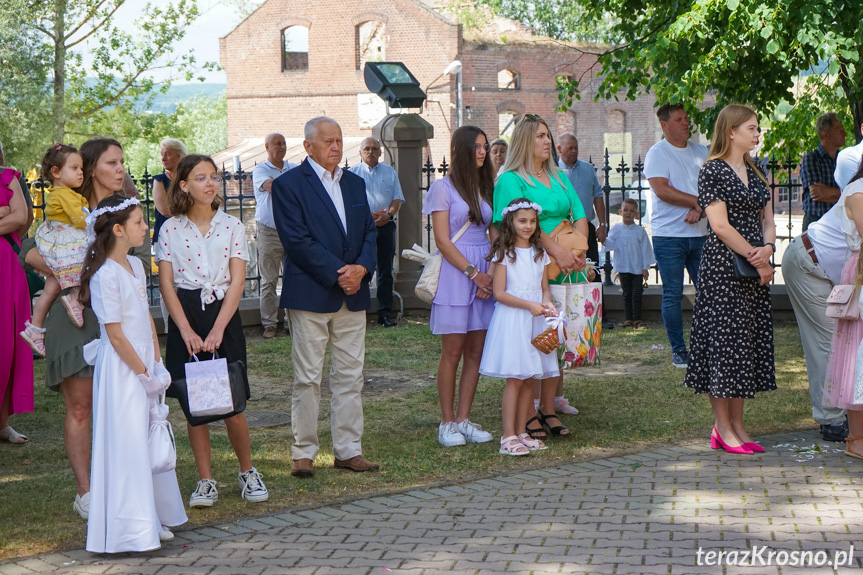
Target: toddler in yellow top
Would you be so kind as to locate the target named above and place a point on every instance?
(61, 240)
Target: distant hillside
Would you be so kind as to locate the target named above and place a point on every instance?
(178, 93)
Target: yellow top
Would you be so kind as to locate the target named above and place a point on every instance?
(67, 206)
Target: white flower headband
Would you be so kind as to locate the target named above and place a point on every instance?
(94, 215)
(522, 206)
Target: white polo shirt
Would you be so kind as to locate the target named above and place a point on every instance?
(263, 200)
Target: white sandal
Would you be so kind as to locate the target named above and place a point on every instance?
(512, 446)
(12, 436)
(531, 443)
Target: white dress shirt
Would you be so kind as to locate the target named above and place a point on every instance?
(382, 185)
(333, 188)
(847, 163)
(263, 200)
(203, 262)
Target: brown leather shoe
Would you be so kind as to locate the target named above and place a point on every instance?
(357, 463)
(303, 468)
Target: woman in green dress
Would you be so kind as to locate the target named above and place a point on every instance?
(530, 172)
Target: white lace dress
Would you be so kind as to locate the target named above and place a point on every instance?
(128, 504)
(508, 351)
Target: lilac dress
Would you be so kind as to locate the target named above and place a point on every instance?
(455, 308)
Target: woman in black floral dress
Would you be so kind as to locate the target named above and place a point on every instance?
(732, 321)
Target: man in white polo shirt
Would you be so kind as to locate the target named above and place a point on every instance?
(270, 252)
(677, 222)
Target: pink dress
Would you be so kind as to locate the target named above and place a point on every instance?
(16, 357)
(839, 385)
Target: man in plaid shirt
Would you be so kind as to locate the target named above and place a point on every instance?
(820, 191)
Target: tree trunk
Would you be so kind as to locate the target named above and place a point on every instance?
(59, 108)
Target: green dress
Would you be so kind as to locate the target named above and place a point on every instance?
(555, 202)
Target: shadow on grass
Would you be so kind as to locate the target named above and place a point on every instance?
(633, 401)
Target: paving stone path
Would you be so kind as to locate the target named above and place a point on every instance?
(646, 513)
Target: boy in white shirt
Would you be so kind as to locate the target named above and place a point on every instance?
(633, 256)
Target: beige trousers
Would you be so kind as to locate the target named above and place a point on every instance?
(808, 287)
(345, 331)
(270, 255)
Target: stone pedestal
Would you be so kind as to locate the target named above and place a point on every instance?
(405, 137)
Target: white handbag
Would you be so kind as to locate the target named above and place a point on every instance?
(426, 287)
(162, 447)
(209, 387)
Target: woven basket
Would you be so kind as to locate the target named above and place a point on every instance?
(547, 341)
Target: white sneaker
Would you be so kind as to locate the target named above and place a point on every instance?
(165, 534)
(252, 488)
(448, 435)
(473, 432)
(205, 494)
(82, 505)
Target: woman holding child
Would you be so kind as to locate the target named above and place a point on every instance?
(66, 371)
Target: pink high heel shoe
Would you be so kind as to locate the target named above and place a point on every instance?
(716, 442)
(753, 447)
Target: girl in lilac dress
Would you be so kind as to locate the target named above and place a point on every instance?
(462, 308)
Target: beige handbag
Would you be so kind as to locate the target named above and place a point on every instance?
(427, 285)
(842, 302)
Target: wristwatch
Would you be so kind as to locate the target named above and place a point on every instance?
(391, 215)
(468, 271)
(772, 246)
(602, 225)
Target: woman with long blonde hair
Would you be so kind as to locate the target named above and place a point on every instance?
(731, 354)
(530, 172)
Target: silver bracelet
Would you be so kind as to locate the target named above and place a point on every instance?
(476, 273)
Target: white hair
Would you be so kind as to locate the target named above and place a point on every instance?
(310, 132)
(174, 145)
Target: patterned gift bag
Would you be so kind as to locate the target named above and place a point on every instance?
(209, 387)
(582, 304)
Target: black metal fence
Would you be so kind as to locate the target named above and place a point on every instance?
(238, 196)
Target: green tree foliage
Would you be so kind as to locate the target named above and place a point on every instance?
(800, 57)
(201, 123)
(59, 95)
(557, 19)
(24, 92)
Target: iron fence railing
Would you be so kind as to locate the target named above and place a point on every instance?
(629, 181)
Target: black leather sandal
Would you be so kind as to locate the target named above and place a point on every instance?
(559, 430)
(535, 433)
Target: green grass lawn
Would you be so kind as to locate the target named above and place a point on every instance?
(636, 399)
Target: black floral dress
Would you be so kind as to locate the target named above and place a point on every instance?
(731, 350)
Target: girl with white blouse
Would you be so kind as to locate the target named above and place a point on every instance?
(202, 257)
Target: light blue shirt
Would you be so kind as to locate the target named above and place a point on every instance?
(382, 185)
(584, 180)
(263, 201)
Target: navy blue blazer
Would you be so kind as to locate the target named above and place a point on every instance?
(316, 244)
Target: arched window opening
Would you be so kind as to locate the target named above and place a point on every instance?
(508, 80)
(295, 48)
(371, 43)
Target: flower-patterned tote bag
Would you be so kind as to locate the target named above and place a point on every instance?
(582, 304)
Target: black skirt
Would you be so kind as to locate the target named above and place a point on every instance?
(233, 346)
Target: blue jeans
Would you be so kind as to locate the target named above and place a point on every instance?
(672, 256)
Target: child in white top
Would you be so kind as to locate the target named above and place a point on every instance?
(523, 300)
(61, 240)
(202, 257)
(633, 256)
(129, 504)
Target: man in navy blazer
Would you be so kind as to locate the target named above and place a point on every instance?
(329, 237)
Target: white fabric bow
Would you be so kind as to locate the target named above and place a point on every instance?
(210, 293)
(559, 322)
